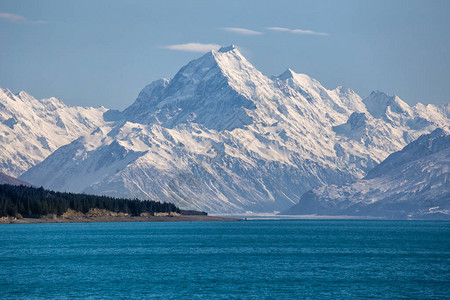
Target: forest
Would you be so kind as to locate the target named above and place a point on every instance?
(33, 202)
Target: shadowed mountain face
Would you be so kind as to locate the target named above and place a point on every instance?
(222, 137)
(5, 179)
(413, 183)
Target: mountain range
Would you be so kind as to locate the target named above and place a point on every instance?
(31, 129)
(410, 184)
(219, 136)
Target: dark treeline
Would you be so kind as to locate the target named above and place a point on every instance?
(36, 202)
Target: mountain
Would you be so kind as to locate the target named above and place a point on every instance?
(413, 183)
(32, 129)
(5, 179)
(222, 137)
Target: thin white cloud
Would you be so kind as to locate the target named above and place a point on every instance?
(242, 31)
(296, 31)
(18, 19)
(193, 47)
(12, 17)
(278, 29)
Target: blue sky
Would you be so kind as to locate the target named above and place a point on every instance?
(104, 52)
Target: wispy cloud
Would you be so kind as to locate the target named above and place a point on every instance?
(296, 31)
(242, 31)
(19, 19)
(193, 47)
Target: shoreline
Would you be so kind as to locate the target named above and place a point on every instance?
(115, 219)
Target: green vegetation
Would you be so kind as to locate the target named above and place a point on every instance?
(35, 202)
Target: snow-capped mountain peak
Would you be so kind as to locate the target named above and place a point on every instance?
(227, 49)
(379, 103)
(288, 74)
(223, 137)
(210, 90)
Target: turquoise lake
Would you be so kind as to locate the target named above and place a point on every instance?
(288, 259)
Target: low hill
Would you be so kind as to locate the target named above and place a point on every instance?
(5, 179)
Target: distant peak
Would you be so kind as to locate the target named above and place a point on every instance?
(287, 74)
(290, 72)
(385, 99)
(378, 102)
(227, 49)
(24, 96)
(299, 79)
(379, 93)
(343, 89)
(6, 92)
(378, 97)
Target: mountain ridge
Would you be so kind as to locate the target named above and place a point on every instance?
(31, 129)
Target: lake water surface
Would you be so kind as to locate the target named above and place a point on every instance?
(292, 259)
